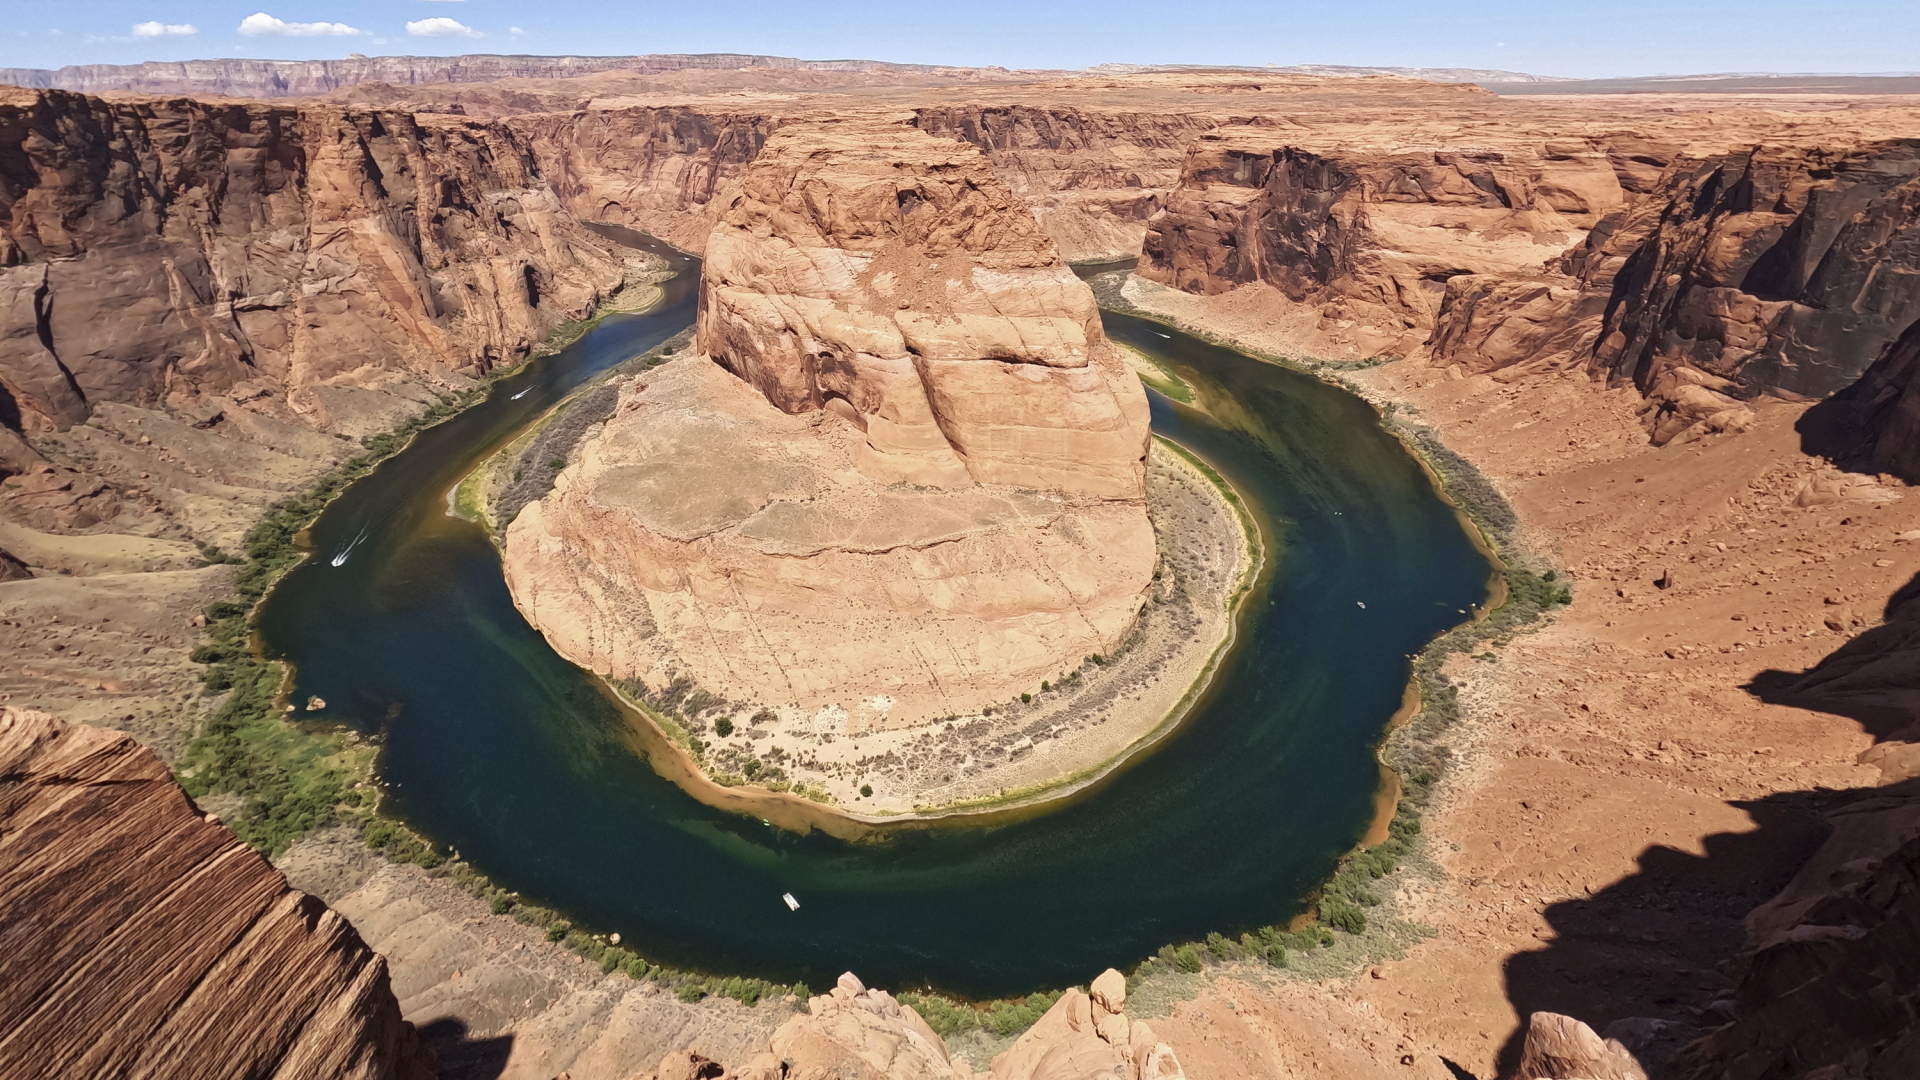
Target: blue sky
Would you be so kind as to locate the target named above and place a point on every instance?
(1578, 38)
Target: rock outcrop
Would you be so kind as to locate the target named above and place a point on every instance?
(852, 1031)
(1832, 986)
(906, 437)
(1090, 1037)
(1367, 236)
(197, 256)
(1779, 270)
(144, 940)
(1562, 1048)
(891, 277)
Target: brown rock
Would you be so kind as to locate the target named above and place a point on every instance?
(1562, 1048)
(161, 945)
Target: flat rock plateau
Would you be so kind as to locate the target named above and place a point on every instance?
(1676, 334)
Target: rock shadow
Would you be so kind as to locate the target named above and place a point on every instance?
(460, 1055)
(1873, 679)
(1640, 959)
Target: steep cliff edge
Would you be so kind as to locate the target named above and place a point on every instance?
(173, 251)
(1782, 270)
(1363, 238)
(145, 940)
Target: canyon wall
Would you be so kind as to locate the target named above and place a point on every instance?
(145, 940)
(1782, 270)
(665, 170)
(170, 252)
(1363, 238)
(1093, 178)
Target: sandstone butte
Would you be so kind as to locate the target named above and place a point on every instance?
(1693, 385)
(909, 486)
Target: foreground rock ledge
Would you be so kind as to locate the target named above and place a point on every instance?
(143, 939)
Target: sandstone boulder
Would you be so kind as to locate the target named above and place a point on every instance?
(1562, 1048)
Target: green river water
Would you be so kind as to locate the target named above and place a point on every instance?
(496, 747)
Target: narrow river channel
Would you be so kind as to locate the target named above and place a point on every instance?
(498, 748)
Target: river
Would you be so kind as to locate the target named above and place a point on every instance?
(498, 748)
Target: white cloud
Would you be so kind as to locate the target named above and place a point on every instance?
(260, 23)
(441, 26)
(160, 29)
(515, 31)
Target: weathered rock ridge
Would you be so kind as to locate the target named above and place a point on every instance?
(144, 940)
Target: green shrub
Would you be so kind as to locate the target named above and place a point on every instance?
(1342, 915)
(692, 992)
(1221, 948)
(502, 903)
(866, 791)
(636, 969)
(556, 931)
(723, 727)
(1026, 699)
(1185, 958)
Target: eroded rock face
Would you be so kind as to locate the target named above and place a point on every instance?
(1779, 270)
(1370, 234)
(908, 484)
(144, 940)
(892, 277)
(175, 252)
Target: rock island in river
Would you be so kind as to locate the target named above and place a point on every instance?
(883, 536)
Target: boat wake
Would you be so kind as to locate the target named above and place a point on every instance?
(521, 394)
(340, 557)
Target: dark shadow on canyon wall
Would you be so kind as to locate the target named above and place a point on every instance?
(1660, 943)
(462, 1057)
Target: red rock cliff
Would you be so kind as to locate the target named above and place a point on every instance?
(158, 251)
(142, 939)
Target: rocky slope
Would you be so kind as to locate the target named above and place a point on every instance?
(1777, 270)
(908, 432)
(144, 940)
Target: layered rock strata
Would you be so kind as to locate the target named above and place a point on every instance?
(178, 252)
(906, 482)
(1778, 270)
(1365, 237)
(145, 940)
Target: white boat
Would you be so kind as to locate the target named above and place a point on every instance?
(792, 904)
(1362, 603)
